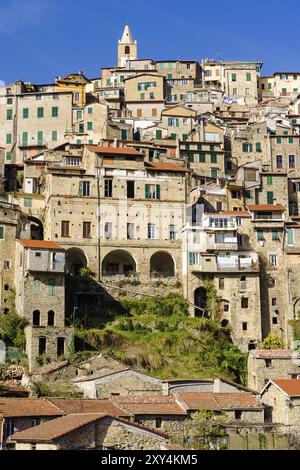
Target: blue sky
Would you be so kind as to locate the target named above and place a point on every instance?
(41, 39)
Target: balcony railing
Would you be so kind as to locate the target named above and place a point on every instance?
(32, 142)
(227, 246)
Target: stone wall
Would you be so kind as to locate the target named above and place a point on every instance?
(259, 374)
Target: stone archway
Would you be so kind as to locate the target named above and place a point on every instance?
(75, 261)
(36, 229)
(162, 265)
(118, 263)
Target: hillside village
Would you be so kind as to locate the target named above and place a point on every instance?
(149, 257)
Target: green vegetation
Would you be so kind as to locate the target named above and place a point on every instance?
(158, 336)
(207, 432)
(12, 326)
(272, 341)
(60, 388)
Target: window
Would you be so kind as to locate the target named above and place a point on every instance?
(127, 50)
(243, 283)
(124, 134)
(130, 189)
(248, 77)
(40, 138)
(152, 191)
(202, 158)
(65, 229)
(245, 326)
(9, 101)
(275, 320)
(56, 96)
(37, 287)
(139, 112)
(291, 140)
(274, 302)
(247, 147)
(40, 112)
(273, 260)
(151, 231)
(238, 414)
(191, 157)
(25, 113)
(221, 283)
(51, 318)
(1, 232)
(142, 96)
(54, 111)
(159, 134)
(9, 114)
(51, 288)
(54, 136)
(130, 231)
(219, 206)
(158, 423)
(213, 158)
(194, 258)
(154, 112)
(291, 161)
(258, 146)
(278, 140)
(269, 180)
(36, 318)
(79, 114)
(173, 232)
(76, 96)
(279, 161)
(270, 197)
(247, 91)
(38, 97)
(8, 156)
(214, 173)
(84, 188)
(233, 77)
(244, 302)
(90, 110)
(234, 91)
(89, 126)
(173, 122)
(87, 230)
(290, 236)
(268, 363)
(275, 236)
(8, 138)
(108, 230)
(42, 346)
(27, 202)
(108, 187)
(260, 236)
(6, 264)
(152, 96)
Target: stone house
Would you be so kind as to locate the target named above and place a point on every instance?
(40, 298)
(282, 400)
(238, 407)
(145, 95)
(179, 121)
(156, 411)
(119, 381)
(19, 414)
(89, 432)
(270, 364)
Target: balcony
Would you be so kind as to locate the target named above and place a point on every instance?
(32, 142)
(46, 261)
(222, 224)
(234, 263)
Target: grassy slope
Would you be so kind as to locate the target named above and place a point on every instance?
(159, 337)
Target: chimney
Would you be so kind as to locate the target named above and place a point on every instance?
(217, 386)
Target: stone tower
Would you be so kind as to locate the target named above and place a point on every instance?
(127, 48)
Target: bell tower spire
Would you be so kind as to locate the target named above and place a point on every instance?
(127, 48)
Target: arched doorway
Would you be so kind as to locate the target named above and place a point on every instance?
(36, 229)
(75, 261)
(36, 318)
(200, 301)
(162, 265)
(118, 263)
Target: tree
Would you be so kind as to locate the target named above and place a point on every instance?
(272, 341)
(207, 431)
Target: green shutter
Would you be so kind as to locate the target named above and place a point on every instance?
(157, 191)
(184, 137)
(51, 289)
(89, 126)
(213, 158)
(25, 138)
(1, 233)
(269, 180)
(80, 188)
(159, 134)
(27, 202)
(233, 77)
(25, 113)
(8, 138)
(191, 157)
(260, 235)
(290, 236)
(214, 173)
(40, 112)
(291, 140)
(202, 158)
(278, 140)
(40, 137)
(8, 156)
(55, 111)
(147, 191)
(90, 110)
(275, 236)
(54, 136)
(173, 136)
(191, 259)
(258, 146)
(124, 134)
(9, 114)
(248, 77)
(270, 197)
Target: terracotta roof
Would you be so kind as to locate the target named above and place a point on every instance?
(149, 405)
(115, 151)
(218, 401)
(274, 353)
(266, 207)
(54, 429)
(17, 407)
(165, 166)
(40, 244)
(290, 386)
(102, 373)
(79, 406)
